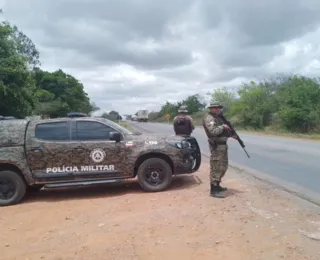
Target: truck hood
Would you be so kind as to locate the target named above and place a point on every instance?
(154, 137)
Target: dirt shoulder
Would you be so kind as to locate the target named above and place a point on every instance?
(255, 221)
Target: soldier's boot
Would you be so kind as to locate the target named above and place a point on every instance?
(222, 188)
(216, 192)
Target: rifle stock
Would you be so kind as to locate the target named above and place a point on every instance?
(234, 133)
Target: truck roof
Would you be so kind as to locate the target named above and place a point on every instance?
(12, 132)
(7, 117)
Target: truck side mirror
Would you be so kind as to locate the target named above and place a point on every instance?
(115, 136)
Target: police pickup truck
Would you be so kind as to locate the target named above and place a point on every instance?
(79, 150)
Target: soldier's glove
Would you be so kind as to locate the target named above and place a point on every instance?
(226, 127)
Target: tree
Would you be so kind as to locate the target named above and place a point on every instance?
(299, 102)
(128, 117)
(23, 44)
(112, 115)
(255, 105)
(26, 47)
(194, 103)
(16, 82)
(224, 97)
(27, 90)
(289, 102)
(105, 115)
(93, 107)
(168, 108)
(153, 116)
(59, 93)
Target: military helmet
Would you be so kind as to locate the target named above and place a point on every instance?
(183, 109)
(215, 105)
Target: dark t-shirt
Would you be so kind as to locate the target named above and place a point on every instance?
(182, 125)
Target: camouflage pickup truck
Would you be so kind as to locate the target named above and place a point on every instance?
(77, 151)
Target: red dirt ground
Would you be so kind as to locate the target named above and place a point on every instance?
(254, 221)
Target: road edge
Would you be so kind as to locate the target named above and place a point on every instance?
(261, 134)
(292, 189)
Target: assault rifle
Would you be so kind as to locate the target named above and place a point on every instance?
(233, 132)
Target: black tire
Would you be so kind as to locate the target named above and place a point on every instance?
(154, 175)
(12, 188)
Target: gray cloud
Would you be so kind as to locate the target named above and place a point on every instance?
(132, 54)
(264, 22)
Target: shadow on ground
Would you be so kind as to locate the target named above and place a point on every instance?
(231, 192)
(106, 190)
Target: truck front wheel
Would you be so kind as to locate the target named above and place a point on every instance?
(154, 174)
(12, 188)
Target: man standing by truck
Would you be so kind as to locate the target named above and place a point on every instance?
(215, 130)
(182, 123)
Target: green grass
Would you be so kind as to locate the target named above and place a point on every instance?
(127, 125)
(283, 133)
(197, 120)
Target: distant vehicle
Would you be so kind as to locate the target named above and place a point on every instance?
(142, 116)
(134, 118)
(81, 151)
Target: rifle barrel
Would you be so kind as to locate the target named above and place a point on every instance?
(235, 133)
(246, 152)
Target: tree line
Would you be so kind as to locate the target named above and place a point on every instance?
(281, 102)
(112, 115)
(26, 89)
(195, 104)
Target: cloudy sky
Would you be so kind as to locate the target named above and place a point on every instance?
(137, 54)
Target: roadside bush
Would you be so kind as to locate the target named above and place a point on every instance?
(284, 103)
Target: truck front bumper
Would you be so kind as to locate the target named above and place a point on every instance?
(190, 158)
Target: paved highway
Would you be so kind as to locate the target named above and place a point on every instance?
(293, 162)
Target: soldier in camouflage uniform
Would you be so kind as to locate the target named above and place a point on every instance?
(182, 123)
(217, 133)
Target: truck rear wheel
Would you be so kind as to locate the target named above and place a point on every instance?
(12, 188)
(154, 174)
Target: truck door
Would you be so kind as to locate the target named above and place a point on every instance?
(95, 155)
(47, 148)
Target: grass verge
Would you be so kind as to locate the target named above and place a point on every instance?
(281, 133)
(128, 126)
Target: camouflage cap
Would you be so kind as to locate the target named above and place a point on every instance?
(215, 105)
(183, 109)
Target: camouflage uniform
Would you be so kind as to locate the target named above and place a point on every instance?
(183, 128)
(217, 139)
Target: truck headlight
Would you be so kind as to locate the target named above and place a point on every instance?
(183, 144)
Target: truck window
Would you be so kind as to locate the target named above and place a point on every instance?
(88, 130)
(53, 131)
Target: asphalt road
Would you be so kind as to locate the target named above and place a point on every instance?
(292, 163)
